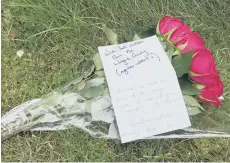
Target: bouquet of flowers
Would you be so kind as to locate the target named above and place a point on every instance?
(86, 103)
(193, 58)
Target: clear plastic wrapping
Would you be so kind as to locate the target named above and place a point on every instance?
(85, 103)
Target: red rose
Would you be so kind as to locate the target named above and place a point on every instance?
(168, 24)
(191, 41)
(211, 94)
(203, 68)
(179, 33)
(218, 88)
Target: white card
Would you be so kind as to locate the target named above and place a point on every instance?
(144, 88)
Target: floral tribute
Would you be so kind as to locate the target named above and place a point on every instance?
(202, 72)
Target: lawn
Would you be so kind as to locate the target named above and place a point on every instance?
(56, 35)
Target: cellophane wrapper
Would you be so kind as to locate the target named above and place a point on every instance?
(85, 103)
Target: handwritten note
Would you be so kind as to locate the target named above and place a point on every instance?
(144, 88)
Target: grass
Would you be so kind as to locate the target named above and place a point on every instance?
(57, 35)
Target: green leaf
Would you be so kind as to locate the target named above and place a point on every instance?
(100, 73)
(163, 43)
(187, 88)
(146, 33)
(129, 36)
(81, 86)
(169, 49)
(136, 37)
(140, 34)
(192, 102)
(78, 80)
(182, 63)
(97, 62)
(93, 92)
(72, 86)
(192, 110)
(88, 68)
(95, 82)
(112, 36)
(50, 100)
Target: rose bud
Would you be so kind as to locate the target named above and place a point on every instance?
(179, 33)
(203, 69)
(211, 94)
(168, 24)
(191, 41)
